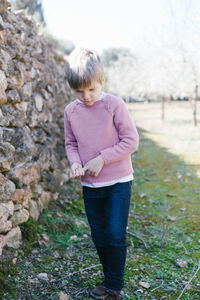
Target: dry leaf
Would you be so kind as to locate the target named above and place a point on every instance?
(63, 296)
(45, 236)
(80, 223)
(146, 285)
(143, 195)
(73, 238)
(171, 218)
(167, 180)
(170, 195)
(14, 260)
(181, 263)
(182, 208)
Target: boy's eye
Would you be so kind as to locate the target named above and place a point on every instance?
(91, 90)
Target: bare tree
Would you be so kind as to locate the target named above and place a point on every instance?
(189, 48)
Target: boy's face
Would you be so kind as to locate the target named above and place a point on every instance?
(90, 95)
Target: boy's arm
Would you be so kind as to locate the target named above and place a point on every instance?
(71, 145)
(128, 136)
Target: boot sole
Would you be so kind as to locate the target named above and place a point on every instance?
(98, 297)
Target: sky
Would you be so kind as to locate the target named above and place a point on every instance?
(107, 23)
(144, 26)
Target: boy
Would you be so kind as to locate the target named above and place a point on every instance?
(99, 139)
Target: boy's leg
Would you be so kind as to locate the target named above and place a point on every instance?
(95, 210)
(116, 223)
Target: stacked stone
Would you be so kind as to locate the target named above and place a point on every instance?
(33, 93)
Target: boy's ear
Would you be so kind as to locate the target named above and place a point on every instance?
(102, 82)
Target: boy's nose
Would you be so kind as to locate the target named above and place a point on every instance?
(86, 96)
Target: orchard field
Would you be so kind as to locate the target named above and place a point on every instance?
(177, 132)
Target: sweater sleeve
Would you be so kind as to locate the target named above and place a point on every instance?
(128, 136)
(71, 145)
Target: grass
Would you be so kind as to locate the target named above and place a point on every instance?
(165, 213)
(164, 220)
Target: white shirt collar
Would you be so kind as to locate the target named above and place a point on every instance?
(103, 95)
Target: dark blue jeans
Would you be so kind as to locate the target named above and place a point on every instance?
(107, 211)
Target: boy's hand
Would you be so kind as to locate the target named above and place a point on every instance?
(94, 166)
(76, 170)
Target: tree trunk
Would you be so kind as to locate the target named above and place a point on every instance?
(163, 108)
(195, 106)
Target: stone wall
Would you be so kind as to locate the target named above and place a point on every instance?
(33, 93)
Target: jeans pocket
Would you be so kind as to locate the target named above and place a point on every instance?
(90, 193)
(123, 188)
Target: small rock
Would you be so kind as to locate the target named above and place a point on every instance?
(3, 81)
(146, 285)
(140, 291)
(19, 217)
(143, 195)
(171, 218)
(181, 263)
(34, 280)
(170, 195)
(43, 276)
(14, 261)
(14, 237)
(17, 207)
(7, 189)
(63, 296)
(45, 237)
(179, 175)
(56, 254)
(80, 223)
(39, 102)
(167, 180)
(73, 238)
(182, 208)
(5, 225)
(34, 209)
(3, 241)
(59, 214)
(34, 251)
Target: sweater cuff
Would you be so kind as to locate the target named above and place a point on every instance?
(104, 157)
(73, 160)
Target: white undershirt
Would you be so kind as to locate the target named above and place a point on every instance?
(107, 183)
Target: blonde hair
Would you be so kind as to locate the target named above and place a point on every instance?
(84, 66)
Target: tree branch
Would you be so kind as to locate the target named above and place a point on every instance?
(139, 238)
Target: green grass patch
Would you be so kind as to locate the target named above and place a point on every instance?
(165, 214)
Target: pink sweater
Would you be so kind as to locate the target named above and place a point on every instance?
(104, 128)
